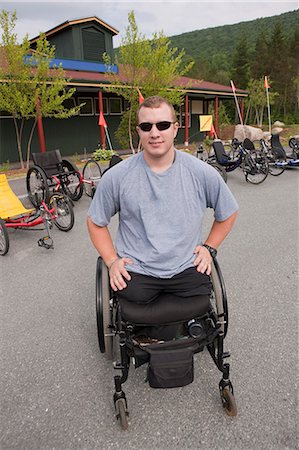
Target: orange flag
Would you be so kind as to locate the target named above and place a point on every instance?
(212, 131)
(266, 84)
(102, 121)
(141, 98)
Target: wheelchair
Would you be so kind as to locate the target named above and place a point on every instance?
(49, 172)
(131, 333)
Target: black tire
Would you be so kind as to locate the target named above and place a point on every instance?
(256, 167)
(220, 297)
(104, 310)
(275, 157)
(220, 170)
(63, 212)
(121, 413)
(91, 176)
(228, 402)
(71, 182)
(37, 186)
(4, 239)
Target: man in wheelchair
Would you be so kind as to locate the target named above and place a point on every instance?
(161, 195)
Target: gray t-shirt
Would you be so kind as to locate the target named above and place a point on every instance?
(160, 214)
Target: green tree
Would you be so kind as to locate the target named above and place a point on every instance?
(150, 65)
(259, 61)
(26, 77)
(241, 63)
(16, 89)
(50, 87)
(257, 100)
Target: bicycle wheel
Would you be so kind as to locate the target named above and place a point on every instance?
(91, 176)
(71, 183)
(63, 213)
(220, 170)
(256, 168)
(4, 239)
(276, 158)
(37, 186)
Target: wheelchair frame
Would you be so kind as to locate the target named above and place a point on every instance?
(111, 325)
(50, 170)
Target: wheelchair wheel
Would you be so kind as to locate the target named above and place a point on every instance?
(220, 297)
(72, 181)
(228, 402)
(4, 239)
(63, 212)
(103, 309)
(220, 170)
(91, 176)
(276, 155)
(256, 168)
(37, 186)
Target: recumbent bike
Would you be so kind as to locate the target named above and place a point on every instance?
(129, 332)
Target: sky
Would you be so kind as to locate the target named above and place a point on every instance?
(171, 17)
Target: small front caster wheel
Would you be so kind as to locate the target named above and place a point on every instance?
(228, 402)
(121, 413)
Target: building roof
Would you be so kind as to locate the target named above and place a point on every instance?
(70, 23)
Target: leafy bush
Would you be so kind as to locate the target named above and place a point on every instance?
(103, 154)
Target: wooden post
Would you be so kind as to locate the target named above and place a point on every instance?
(186, 122)
(102, 128)
(216, 115)
(40, 128)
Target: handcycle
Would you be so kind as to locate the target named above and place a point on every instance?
(58, 211)
(253, 163)
(294, 146)
(276, 155)
(91, 175)
(49, 168)
(200, 154)
(121, 326)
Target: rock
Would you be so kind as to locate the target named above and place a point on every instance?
(277, 130)
(278, 124)
(252, 133)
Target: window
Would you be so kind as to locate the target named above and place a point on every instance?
(93, 44)
(115, 106)
(105, 106)
(197, 107)
(87, 109)
(5, 115)
(181, 115)
(69, 103)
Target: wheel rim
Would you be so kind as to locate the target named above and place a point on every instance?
(37, 186)
(257, 169)
(72, 184)
(92, 174)
(64, 216)
(103, 309)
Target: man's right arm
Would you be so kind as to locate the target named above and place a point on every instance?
(101, 239)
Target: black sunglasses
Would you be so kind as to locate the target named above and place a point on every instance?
(147, 126)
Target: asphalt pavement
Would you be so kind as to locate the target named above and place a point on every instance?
(56, 387)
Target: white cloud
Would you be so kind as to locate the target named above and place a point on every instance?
(173, 17)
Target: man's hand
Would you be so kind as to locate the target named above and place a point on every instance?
(118, 274)
(203, 260)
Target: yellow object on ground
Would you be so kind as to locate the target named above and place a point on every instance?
(10, 205)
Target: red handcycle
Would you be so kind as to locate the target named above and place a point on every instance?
(58, 210)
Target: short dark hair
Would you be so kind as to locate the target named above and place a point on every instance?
(155, 102)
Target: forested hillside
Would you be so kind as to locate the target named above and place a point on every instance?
(246, 52)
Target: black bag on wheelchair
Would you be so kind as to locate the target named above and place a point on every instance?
(171, 363)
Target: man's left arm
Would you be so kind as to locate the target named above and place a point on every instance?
(217, 234)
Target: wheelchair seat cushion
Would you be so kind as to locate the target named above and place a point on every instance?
(167, 308)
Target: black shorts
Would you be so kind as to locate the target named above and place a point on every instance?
(145, 289)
